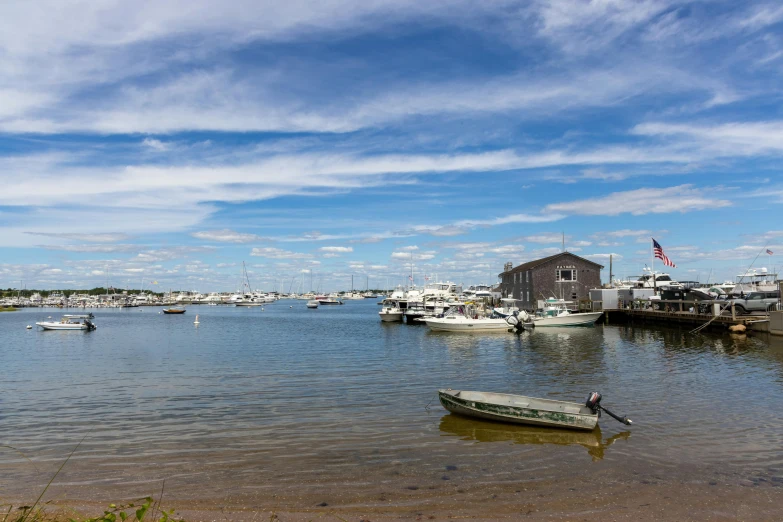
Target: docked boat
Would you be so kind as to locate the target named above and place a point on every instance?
(312, 304)
(507, 308)
(391, 313)
(519, 409)
(556, 313)
(173, 310)
(460, 318)
(68, 323)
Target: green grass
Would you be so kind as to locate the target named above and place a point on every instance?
(8, 309)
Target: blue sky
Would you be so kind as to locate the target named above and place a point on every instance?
(173, 140)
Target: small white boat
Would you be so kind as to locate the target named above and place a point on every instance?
(556, 313)
(459, 318)
(390, 313)
(67, 323)
(312, 304)
(507, 308)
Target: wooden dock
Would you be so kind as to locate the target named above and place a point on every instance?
(759, 323)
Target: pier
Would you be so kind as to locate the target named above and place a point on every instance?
(692, 313)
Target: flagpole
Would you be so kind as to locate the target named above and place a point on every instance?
(652, 267)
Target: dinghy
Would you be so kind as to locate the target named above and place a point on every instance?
(519, 409)
(173, 310)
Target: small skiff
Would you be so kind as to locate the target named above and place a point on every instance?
(173, 310)
(519, 409)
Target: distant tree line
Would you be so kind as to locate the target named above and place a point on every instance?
(10, 292)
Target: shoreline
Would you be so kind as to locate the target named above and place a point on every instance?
(602, 497)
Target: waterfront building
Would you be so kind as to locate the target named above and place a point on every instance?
(563, 276)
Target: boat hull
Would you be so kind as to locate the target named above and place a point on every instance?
(249, 304)
(59, 326)
(390, 317)
(518, 409)
(583, 319)
(442, 324)
(173, 312)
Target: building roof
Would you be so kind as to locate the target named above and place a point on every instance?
(532, 264)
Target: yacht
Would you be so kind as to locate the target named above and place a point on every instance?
(755, 281)
(646, 281)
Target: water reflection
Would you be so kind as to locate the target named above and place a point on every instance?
(486, 431)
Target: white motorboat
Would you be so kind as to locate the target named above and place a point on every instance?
(556, 313)
(507, 308)
(460, 318)
(312, 304)
(68, 323)
(390, 313)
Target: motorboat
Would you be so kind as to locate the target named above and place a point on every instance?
(68, 323)
(556, 313)
(755, 281)
(174, 310)
(312, 304)
(328, 300)
(508, 306)
(461, 318)
(520, 409)
(650, 279)
(390, 312)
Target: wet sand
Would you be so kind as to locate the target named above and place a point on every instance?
(511, 482)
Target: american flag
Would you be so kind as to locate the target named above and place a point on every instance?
(658, 251)
(769, 251)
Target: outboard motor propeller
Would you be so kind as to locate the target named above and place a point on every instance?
(594, 403)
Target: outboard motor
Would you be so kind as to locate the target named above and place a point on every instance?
(90, 325)
(593, 402)
(512, 320)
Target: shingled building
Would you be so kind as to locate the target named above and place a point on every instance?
(562, 275)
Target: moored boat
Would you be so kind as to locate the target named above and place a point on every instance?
(312, 304)
(174, 310)
(556, 313)
(68, 323)
(459, 318)
(520, 409)
(390, 313)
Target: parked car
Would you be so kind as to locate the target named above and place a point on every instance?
(756, 302)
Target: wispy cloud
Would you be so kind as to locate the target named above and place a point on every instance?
(226, 236)
(278, 253)
(682, 198)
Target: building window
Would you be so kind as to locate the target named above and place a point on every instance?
(565, 274)
(515, 278)
(528, 297)
(526, 276)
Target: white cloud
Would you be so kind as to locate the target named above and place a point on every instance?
(336, 249)
(89, 238)
(93, 248)
(226, 236)
(723, 139)
(682, 198)
(156, 144)
(278, 253)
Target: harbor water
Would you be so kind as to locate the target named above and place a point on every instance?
(293, 408)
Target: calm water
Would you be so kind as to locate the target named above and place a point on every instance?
(296, 396)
